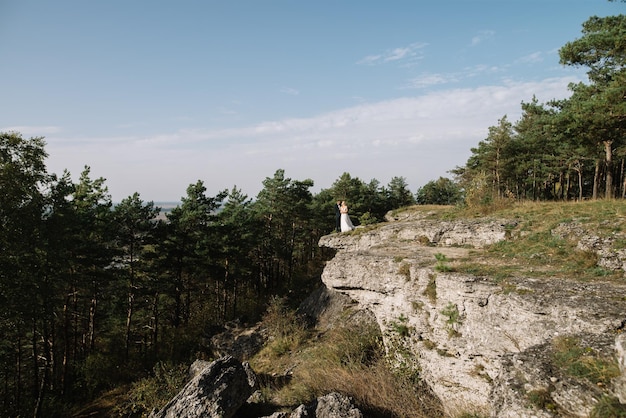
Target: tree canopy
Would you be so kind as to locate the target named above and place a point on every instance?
(95, 294)
(563, 149)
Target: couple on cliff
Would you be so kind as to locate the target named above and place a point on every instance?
(342, 219)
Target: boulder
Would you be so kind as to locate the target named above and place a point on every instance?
(333, 405)
(218, 389)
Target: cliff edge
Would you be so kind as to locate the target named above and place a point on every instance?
(499, 340)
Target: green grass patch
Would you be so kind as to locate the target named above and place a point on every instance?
(583, 362)
(442, 263)
(454, 318)
(152, 392)
(401, 327)
(497, 272)
(541, 399)
(532, 250)
(608, 406)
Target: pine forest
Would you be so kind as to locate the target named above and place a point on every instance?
(95, 294)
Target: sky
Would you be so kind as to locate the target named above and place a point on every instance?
(155, 95)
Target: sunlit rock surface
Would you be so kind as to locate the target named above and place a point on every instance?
(482, 344)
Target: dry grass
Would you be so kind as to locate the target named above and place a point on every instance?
(610, 213)
(348, 359)
(351, 360)
(532, 250)
(375, 389)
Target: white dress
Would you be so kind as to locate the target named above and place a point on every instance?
(346, 223)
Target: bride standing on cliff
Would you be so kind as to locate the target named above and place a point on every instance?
(346, 223)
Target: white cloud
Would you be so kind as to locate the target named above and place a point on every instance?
(290, 91)
(531, 58)
(419, 138)
(482, 36)
(395, 54)
(226, 111)
(370, 59)
(427, 80)
(482, 69)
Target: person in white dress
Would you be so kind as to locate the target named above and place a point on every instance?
(346, 223)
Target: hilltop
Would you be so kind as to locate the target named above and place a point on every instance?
(508, 313)
(516, 311)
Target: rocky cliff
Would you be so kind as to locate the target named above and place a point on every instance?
(507, 346)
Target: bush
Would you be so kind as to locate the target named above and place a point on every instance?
(405, 270)
(442, 263)
(431, 288)
(454, 318)
(101, 372)
(282, 322)
(153, 392)
(368, 219)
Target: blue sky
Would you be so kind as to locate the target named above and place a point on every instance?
(155, 95)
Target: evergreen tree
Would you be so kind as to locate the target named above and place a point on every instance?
(442, 191)
(600, 106)
(23, 176)
(134, 226)
(535, 158)
(399, 194)
(284, 208)
(239, 232)
(190, 248)
(353, 191)
(374, 203)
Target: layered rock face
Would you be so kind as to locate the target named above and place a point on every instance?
(483, 345)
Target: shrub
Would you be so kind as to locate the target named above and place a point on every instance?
(401, 327)
(286, 330)
(608, 406)
(442, 263)
(101, 372)
(440, 192)
(454, 318)
(376, 388)
(153, 392)
(405, 270)
(431, 289)
(368, 219)
(541, 399)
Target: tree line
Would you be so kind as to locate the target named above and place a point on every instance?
(570, 149)
(93, 294)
